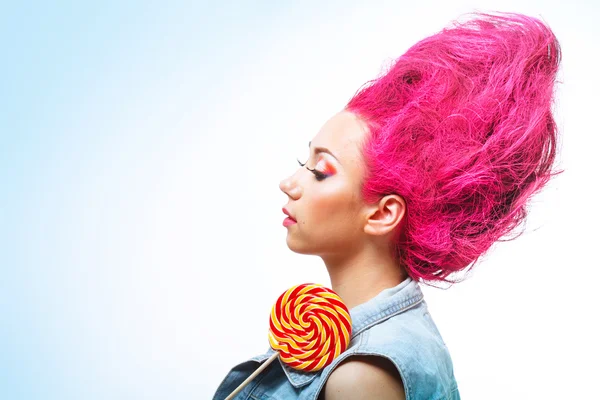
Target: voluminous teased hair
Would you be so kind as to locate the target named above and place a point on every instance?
(461, 127)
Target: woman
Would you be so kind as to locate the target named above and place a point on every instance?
(424, 169)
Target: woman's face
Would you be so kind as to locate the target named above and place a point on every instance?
(326, 204)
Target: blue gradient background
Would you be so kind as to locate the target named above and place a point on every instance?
(141, 146)
(91, 98)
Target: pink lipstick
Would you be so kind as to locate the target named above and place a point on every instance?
(289, 220)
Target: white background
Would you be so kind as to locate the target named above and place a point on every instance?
(141, 217)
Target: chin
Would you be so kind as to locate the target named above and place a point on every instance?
(297, 247)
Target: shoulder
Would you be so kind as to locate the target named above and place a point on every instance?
(364, 377)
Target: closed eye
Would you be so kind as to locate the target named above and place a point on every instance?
(318, 174)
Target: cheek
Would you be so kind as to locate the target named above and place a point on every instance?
(334, 222)
(332, 204)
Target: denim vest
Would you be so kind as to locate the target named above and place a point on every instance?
(395, 324)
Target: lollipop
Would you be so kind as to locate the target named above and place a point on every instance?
(309, 327)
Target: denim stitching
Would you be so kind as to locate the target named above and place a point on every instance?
(385, 316)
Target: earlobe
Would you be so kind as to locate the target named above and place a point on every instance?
(386, 215)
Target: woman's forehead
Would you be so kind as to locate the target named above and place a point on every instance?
(342, 135)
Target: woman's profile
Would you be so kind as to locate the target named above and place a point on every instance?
(412, 182)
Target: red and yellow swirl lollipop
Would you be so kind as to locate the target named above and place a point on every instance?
(309, 327)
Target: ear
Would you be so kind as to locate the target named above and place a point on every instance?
(384, 216)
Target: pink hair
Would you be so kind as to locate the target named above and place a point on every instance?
(461, 127)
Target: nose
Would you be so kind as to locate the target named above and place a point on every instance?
(290, 187)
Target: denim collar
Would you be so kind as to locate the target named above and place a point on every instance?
(388, 303)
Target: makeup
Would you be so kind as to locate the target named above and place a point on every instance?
(325, 168)
(288, 222)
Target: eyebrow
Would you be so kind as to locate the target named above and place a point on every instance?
(323, 150)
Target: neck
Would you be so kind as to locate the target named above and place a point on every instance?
(359, 277)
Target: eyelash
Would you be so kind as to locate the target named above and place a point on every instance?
(318, 174)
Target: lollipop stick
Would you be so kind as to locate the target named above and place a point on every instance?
(248, 379)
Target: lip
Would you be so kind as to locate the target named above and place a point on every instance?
(288, 222)
(286, 212)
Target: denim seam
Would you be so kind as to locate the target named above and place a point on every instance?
(357, 352)
(226, 376)
(256, 382)
(297, 380)
(383, 316)
(324, 378)
(446, 396)
(300, 380)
